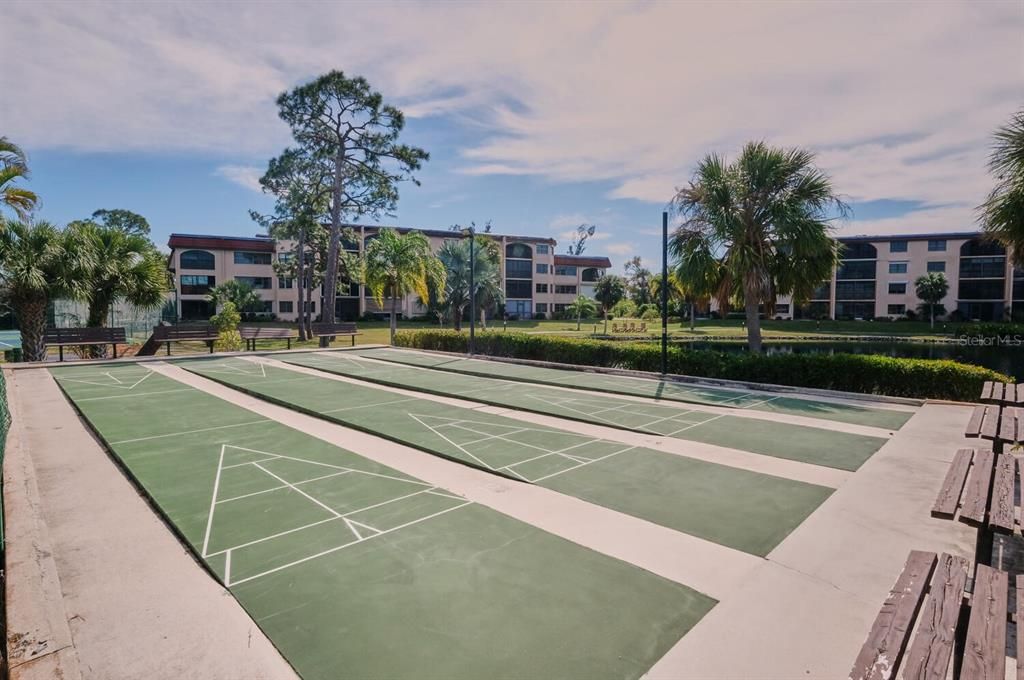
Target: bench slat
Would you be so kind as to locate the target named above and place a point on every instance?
(977, 490)
(974, 424)
(1008, 424)
(933, 644)
(882, 652)
(997, 391)
(986, 390)
(948, 499)
(985, 649)
(990, 426)
(1020, 638)
(1020, 397)
(1000, 516)
(257, 333)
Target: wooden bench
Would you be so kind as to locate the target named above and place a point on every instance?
(333, 330)
(926, 603)
(1007, 394)
(184, 333)
(61, 337)
(253, 333)
(979, 490)
(1001, 424)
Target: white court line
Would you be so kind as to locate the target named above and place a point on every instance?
(119, 384)
(299, 491)
(227, 569)
(319, 522)
(576, 467)
(689, 427)
(673, 417)
(382, 403)
(763, 402)
(202, 429)
(489, 467)
(278, 488)
(134, 395)
(213, 502)
(113, 378)
(342, 547)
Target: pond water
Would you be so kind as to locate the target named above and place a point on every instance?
(1008, 359)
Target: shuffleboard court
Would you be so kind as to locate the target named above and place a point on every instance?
(819, 446)
(10, 339)
(356, 569)
(649, 387)
(676, 492)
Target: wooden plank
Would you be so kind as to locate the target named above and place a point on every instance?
(1008, 424)
(1020, 638)
(929, 654)
(948, 499)
(881, 654)
(985, 649)
(990, 426)
(997, 392)
(977, 491)
(1000, 513)
(974, 424)
(1020, 394)
(986, 390)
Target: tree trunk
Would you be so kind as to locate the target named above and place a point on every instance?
(300, 279)
(931, 308)
(457, 319)
(483, 317)
(331, 276)
(579, 317)
(32, 320)
(753, 321)
(606, 322)
(693, 316)
(394, 311)
(307, 308)
(99, 308)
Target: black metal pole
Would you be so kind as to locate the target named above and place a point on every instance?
(664, 293)
(472, 292)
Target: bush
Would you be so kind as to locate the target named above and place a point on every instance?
(864, 373)
(989, 330)
(650, 314)
(226, 323)
(624, 309)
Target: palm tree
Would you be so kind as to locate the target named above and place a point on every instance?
(454, 255)
(39, 262)
(679, 292)
(240, 294)
(124, 267)
(581, 307)
(930, 289)
(609, 290)
(14, 166)
(1002, 214)
(397, 265)
(756, 228)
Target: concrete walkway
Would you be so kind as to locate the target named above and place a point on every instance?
(97, 586)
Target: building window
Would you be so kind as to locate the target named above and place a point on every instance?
(246, 257)
(859, 251)
(197, 284)
(990, 289)
(782, 309)
(560, 307)
(196, 310)
(541, 307)
(518, 289)
(983, 267)
(856, 269)
(855, 290)
(897, 246)
(937, 245)
(897, 289)
(822, 292)
(285, 283)
(543, 249)
(266, 307)
(286, 307)
(897, 310)
(897, 267)
(519, 251)
(565, 270)
(855, 310)
(519, 309)
(310, 307)
(257, 282)
(285, 257)
(565, 290)
(977, 247)
(518, 269)
(542, 288)
(939, 266)
(590, 275)
(196, 259)
(542, 269)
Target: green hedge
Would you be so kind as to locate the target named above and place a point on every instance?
(864, 373)
(990, 330)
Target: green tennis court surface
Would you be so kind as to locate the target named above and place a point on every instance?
(354, 569)
(714, 502)
(10, 340)
(819, 446)
(648, 387)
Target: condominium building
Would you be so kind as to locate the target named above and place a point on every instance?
(876, 278)
(536, 280)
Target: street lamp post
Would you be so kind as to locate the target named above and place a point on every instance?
(664, 293)
(472, 289)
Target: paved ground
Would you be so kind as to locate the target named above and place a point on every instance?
(801, 610)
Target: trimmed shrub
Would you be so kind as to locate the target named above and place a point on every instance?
(990, 330)
(863, 373)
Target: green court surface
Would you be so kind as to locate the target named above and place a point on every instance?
(648, 387)
(814, 445)
(711, 501)
(357, 570)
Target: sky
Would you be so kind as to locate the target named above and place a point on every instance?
(538, 116)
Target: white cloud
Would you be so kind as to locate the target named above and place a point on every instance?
(247, 176)
(620, 248)
(898, 99)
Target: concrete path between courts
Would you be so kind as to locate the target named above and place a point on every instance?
(98, 587)
(710, 568)
(769, 465)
